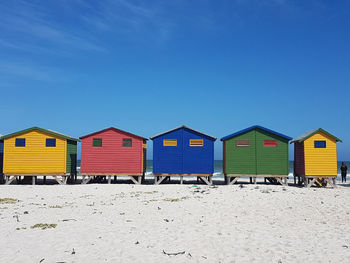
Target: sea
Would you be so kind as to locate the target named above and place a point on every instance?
(218, 168)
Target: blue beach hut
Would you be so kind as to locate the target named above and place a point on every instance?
(183, 152)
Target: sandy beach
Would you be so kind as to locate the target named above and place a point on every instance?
(174, 223)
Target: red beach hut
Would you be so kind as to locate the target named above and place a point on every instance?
(112, 152)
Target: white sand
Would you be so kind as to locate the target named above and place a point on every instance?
(127, 223)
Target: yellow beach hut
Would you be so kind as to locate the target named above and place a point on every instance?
(39, 152)
(315, 158)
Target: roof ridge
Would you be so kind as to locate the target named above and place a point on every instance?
(308, 134)
(114, 128)
(39, 129)
(252, 128)
(185, 127)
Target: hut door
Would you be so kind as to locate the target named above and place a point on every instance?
(73, 161)
(271, 155)
(240, 154)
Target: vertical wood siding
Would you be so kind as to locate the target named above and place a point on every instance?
(299, 158)
(168, 159)
(35, 157)
(320, 161)
(240, 160)
(256, 158)
(197, 159)
(112, 157)
(183, 158)
(271, 160)
(71, 157)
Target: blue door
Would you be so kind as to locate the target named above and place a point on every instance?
(167, 153)
(198, 154)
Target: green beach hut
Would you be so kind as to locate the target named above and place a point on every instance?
(256, 152)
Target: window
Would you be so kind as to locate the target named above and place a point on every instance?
(196, 142)
(20, 142)
(242, 143)
(320, 144)
(170, 142)
(127, 142)
(97, 142)
(50, 142)
(270, 143)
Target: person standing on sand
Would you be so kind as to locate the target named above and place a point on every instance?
(344, 170)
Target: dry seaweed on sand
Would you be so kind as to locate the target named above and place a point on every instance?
(43, 226)
(8, 200)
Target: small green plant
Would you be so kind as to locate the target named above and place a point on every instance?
(44, 226)
(8, 200)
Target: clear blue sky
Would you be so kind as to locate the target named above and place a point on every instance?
(78, 66)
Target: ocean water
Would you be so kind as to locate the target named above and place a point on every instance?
(218, 168)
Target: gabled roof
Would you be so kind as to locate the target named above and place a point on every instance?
(311, 133)
(51, 132)
(253, 128)
(115, 129)
(185, 127)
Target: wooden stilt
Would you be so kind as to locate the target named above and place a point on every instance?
(10, 180)
(161, 179)
(58, 180)
(254, 180)
(140, 179)
(211, 180)
(181, 179)
(86, 179)
(311, 183)
(279, 180)
(109, 179)
(33, 180)
(133, 179)
(235, 179)
(205, 180)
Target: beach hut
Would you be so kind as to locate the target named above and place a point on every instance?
(183, 152)
(39, 152)
(113, 152)
(256, 152)
(315, 158)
